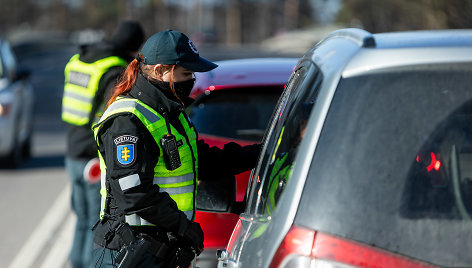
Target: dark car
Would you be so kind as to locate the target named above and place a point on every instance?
(367, 161)
(234, 102)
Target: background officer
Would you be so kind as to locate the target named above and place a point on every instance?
(90, 75)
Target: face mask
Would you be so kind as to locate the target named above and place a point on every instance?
(182, 88)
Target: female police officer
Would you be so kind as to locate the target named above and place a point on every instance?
(150, 154)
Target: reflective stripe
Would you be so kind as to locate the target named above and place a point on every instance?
(135, 220)
(152, 118)
(102, 205)
(74, 112)
(102, 179)
(189, 214)
(129, 182)
(178, 190)
(171, 180)
(76, 96)
(115, 106)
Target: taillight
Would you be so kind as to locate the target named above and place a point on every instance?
(302, 247)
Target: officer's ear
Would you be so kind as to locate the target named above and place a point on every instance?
(159, 71)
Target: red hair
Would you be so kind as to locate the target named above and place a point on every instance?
(127, 81)
(130, 75)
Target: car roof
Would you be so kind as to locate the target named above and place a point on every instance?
(366, 53)
(431, 38)
(245, 73)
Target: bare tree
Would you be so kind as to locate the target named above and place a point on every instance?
(384, 15)
(233, 22)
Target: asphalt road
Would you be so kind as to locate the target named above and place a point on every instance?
(34, 198)
(37, 224)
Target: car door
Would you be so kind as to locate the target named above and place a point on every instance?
(249, 246)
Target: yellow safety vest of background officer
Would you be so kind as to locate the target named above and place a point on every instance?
(90, 75)
(150, 155)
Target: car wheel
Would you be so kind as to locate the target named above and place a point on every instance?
(13, 160)
(26, 148)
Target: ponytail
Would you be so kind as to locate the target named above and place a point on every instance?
(126, 81)
(130, 75)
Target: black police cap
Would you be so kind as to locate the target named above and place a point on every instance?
(174, 47)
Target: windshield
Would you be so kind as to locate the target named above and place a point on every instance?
(393, 166)
(241, 113)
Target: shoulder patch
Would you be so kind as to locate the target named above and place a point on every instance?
(125, 149)
(125, 154)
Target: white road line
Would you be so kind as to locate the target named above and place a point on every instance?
(42, 234)
(59, 253)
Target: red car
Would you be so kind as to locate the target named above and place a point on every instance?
(234, 103)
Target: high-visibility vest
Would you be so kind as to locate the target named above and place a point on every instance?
(179, 183)
(81, 85)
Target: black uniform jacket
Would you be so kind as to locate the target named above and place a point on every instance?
(80, 142)
(145, 199)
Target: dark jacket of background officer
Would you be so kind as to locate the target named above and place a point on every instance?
(132, 191)
(90, 76)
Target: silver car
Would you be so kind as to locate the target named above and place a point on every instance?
(16, 109)
(367, 161)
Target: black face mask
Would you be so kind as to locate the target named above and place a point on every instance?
(182, 88)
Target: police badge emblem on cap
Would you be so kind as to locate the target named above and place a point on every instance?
(192, 46)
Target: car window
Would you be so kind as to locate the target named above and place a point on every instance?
(288, 130)
(392, 167)
(241, 113)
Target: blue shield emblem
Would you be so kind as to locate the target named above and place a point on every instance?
(125, 154)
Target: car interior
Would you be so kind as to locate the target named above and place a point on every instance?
(440, 178)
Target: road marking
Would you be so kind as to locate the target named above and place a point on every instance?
(53, 219)
(59, 253)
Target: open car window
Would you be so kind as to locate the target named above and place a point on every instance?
(288, 129)
(240, 113)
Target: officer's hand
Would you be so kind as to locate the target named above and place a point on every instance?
(194, 236)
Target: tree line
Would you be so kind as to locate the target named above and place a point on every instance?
(231, 21)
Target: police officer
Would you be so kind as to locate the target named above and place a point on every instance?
(89, 76)
(150, 156)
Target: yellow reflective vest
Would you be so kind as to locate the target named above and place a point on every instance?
(179, 183)
(81, 85)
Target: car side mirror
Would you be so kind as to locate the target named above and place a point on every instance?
(216, 195)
